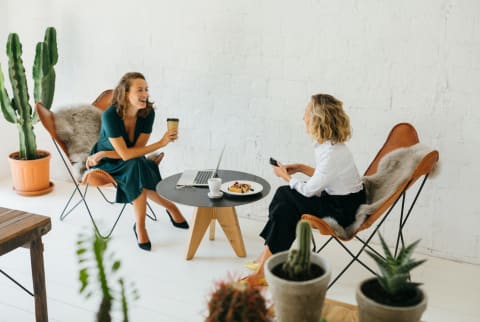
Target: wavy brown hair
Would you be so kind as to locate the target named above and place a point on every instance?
(120, 95)
(328, 121)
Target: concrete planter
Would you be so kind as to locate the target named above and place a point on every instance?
(372, 311)
(297, 301)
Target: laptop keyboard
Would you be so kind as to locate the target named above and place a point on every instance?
(202, 177)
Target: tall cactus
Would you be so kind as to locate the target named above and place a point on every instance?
(297, 264)
(18, 110)
(46, 56)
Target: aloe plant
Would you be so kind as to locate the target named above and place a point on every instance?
(97, 269)
(298, 263)
(18, 109)
(394, 275)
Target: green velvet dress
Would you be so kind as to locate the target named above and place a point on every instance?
(132, 175)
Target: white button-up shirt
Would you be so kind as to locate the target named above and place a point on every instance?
(335, 172)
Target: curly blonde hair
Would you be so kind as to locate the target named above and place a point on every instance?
(328, 120)
(119, 95)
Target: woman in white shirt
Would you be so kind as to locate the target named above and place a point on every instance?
(334, 188)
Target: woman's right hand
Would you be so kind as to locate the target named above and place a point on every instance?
(93, 159)
(169, 136)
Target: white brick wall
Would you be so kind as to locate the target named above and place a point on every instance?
(241, 72)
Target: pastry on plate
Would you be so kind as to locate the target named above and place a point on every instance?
(239, 187)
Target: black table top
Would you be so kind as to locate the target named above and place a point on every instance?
(197, 196)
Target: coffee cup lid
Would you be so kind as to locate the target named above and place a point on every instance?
(173, 119)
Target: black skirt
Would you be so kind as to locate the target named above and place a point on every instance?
(288, 206)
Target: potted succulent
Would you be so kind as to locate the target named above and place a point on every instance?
(237, 300)
(298, 279)
(28, 163)
(391, 296)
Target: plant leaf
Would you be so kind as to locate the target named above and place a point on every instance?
(386, 250)
(116, 266)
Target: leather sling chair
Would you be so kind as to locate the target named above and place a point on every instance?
(95, 177)
(402, 138)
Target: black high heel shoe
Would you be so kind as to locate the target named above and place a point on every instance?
(144, 246)
(182, 225)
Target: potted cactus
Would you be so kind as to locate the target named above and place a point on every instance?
(392, 296)
(237, 300)
(298, 279)
(28, 163)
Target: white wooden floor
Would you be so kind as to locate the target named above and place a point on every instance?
(173, 289)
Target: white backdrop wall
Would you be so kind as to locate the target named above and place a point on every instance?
(241, 72)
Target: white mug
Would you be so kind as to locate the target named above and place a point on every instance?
(214, 186)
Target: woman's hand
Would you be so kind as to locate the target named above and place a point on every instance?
(282, 172)
(299, 167)
(169, 136)
(293, 168)
(94, 159)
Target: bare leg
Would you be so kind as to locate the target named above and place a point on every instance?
(172, 208)
(258, 276)
(140, 210)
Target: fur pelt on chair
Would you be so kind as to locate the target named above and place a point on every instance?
(79, 127)
(394, 168)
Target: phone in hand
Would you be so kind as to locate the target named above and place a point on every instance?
(273, 162)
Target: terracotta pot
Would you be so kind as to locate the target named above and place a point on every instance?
(372, 311)
(297, 301)
(31, 177)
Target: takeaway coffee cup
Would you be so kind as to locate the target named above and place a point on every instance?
(172, 123)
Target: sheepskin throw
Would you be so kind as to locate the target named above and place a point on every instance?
(394, 168)
(79, 127)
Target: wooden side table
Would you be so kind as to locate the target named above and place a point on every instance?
(207, 211)
(20, 228)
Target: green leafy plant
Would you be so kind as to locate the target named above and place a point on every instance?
(99, 269)
(237, 301)
(394, 275)
(18, 110)
(298, 266)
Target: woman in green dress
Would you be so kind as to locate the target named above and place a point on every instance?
(121, 149)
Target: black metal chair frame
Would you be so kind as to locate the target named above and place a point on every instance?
(365, 243)
(66, 211)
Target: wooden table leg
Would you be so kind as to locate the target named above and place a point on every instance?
(38, 276)
(202, 217)
(212, 229)
(228, 220)
(226, 217)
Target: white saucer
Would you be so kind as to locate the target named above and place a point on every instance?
(211, 196)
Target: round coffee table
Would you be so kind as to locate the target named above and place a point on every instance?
(207, 210)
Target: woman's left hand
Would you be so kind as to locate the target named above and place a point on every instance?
(169, 136)
(281, 172)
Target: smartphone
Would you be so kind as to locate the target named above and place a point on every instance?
(273, 162)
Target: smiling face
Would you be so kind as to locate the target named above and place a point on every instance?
(137, 94)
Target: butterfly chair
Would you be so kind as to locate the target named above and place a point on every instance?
(386, 184)
(91, 178)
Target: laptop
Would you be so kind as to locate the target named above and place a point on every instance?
(199, 178)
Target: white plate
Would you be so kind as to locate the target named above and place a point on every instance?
(254, 188)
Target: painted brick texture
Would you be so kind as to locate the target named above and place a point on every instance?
(242, 72)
